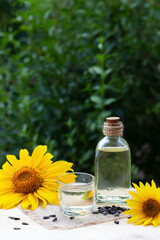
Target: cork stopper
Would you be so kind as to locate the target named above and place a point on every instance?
(112, 119)
(113, 127)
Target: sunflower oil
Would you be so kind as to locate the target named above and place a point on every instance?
(112, 165)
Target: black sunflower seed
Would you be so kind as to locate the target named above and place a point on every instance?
(54, 220)
(103, 209)
(116, 214)
(16, 218)
(119, 211)
(71, 218)
(109, 209)
(16, 228)
(95, 212)
(100, 210)
(24, 223)
(105, 213)
(52, 215)
(124, 209)
(46, 217)
(112, 212)
(116, 221)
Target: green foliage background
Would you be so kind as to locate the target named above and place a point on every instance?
(67, 65)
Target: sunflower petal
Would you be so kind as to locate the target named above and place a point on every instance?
(4, 176)
(25, 203)
(141, 192)
(38, 154)
(136, 196)
(24, 157)
(148, 221)
(50, 196)
(139, 222)
(42, 199)
(13, 161)
(6, 185)
(136, 218)
(11, 200)
(46, 163)
(58, 168)
(153, 184)
(7, 168)
(155, 222)
(33, 200)
(50, 185)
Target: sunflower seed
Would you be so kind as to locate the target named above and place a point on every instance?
(71, 218)
(101, 210)
(105, 213)
(16, 218)
(46, 217)
(119, 211)
(24, 223)
(52, 215)
(124, 209)
(16, 228)
(54, 220)
(95, 212)
(116, 214)
(116, 221)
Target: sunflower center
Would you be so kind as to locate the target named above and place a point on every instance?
(151, 208)
(26, 180)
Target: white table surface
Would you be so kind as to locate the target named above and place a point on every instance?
(105, 231)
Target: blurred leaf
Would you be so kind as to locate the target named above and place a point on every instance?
(96, 70)
(109, 101)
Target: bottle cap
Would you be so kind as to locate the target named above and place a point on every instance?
(113, 127)
(113, 119)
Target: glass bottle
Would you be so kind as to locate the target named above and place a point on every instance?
(112, 164)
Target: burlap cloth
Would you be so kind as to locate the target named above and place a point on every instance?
(64, 222)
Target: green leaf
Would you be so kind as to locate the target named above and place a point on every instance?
(96, 70)
(96, 99)
(109, 101)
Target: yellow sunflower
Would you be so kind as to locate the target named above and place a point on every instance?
(31, 180)
(145, 205)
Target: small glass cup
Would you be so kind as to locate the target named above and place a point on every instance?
(76, 193)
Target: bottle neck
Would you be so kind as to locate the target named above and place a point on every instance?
(113, 141)
(113, 138)
(113, 130)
